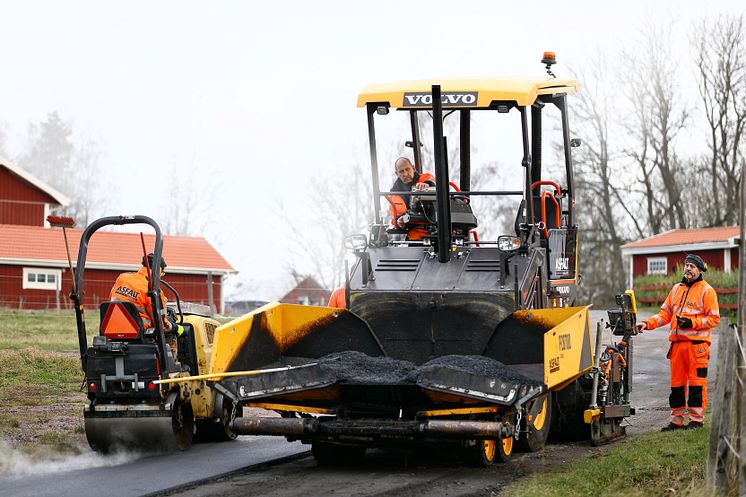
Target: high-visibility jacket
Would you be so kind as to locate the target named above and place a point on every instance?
(696, 301)
(400, 204)
(133, 287)
(337, 299)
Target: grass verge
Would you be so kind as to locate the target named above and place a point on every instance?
(41, 403)
(651, 465)
(39, 329)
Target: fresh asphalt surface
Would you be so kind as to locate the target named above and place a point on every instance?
(148, 474)
(139, 475)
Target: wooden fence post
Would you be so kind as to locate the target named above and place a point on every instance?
(723, 405)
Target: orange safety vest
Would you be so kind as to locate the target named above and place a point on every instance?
(697, 302)
(337, 299)
(398, 207)
(133, 287)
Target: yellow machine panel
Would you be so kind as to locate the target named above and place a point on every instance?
(567, 346)
(284, 324)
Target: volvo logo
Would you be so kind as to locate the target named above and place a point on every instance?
(448, 99)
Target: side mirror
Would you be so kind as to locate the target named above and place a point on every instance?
(507, 243)
(356, 243)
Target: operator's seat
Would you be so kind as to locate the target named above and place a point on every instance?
(120, 320)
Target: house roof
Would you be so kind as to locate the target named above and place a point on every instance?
(29, 245)
(308, 285)
(685, 240)
(61, 199)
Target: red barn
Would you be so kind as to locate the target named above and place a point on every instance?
(660, 254)
(307, 292)
(34, 271)
(25, 199)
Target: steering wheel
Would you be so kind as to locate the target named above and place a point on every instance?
(463, 198)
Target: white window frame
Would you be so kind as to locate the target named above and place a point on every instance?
(35, 285)
(655, 261)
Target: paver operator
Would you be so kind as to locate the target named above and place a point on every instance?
(408, 179)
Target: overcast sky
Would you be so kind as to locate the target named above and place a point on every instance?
(255, 97)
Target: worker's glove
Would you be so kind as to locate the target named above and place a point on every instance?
(174, 329)
(403, 220)
(684, 322)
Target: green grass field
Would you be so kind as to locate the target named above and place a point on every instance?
(41, 403)
(652, 465)
(20, 330)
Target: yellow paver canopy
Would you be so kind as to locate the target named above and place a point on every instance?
(465, 93)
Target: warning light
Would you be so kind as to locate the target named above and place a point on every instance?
(549, 60)
(92, 387)
(152, 386)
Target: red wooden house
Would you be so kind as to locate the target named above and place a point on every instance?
(25, 199)
(660, 254)
(34, 270)
(307, 292)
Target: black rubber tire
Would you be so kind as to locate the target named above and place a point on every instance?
(183, 425)
(327, 454)
(211, 431)
(567, 412)
(534, 433)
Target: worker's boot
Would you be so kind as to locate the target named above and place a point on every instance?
(673, 427)
(695, 425)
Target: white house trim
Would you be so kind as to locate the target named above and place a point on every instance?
(726, 260)
(689, 247)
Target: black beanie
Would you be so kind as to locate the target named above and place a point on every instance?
(697, 261)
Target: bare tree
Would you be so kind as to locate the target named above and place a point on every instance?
(3, 140)
(74, 170)
(658, 116)
(189, 190)
(604, 202)
(719, 54)
(341, 205)
(85, 189)
(50, 151)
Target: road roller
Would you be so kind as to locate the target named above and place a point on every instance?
(128, 408)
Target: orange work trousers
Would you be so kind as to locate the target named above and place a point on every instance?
(688, 380)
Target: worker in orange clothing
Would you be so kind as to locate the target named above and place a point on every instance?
(133, 287)
(337, 298)
(408, 179)
(692, 310)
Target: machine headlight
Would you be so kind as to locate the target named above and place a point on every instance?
(508, 243)
(356, 242)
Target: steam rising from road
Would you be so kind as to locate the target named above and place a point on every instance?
(16, 463)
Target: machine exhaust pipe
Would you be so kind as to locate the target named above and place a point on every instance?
(300, 427)
(274, 426)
